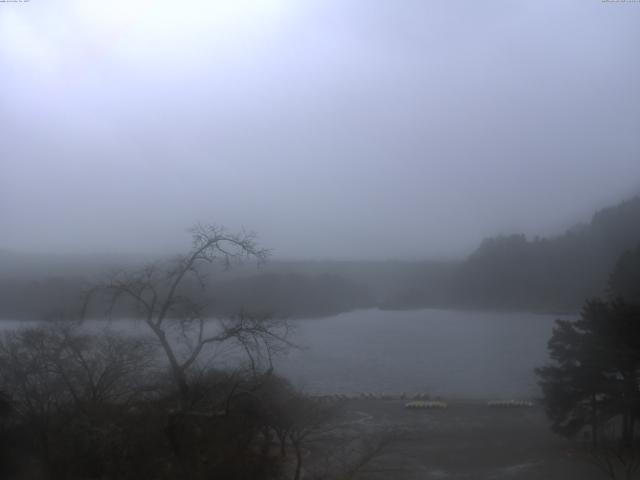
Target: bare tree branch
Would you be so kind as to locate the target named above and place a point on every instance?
(160, 295)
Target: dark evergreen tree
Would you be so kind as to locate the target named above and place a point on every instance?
(576, 389)
(5, 411)
(595, 370)
(624, 281)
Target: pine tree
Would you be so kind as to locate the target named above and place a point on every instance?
(595, 371)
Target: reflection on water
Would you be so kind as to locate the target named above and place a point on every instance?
(441, 352)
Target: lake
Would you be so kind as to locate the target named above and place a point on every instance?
(451, 353)
(439, 352)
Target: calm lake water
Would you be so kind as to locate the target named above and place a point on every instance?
(439, 352)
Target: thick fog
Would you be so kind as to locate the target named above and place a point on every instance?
(335, 129)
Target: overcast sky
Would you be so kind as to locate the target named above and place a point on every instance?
(333, 128)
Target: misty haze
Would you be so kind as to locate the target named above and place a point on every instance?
(304, 240)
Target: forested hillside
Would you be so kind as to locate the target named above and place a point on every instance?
(555, 273)
(504, 272)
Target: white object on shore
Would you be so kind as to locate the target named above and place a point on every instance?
(426, 404)
(510, 403)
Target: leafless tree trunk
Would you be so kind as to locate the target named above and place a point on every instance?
(616, 460)
(157, 293)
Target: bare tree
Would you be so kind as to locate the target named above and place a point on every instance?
(178, 318)
(310, 424)
(308, 417)
(615, 460)
(365, 452)
(348, 455)
(61, 384)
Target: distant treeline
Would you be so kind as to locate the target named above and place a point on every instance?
(291, 295)
(504, 272)
(513, 272)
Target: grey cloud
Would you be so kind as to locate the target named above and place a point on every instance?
(345, 129)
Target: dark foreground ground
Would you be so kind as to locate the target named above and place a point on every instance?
(468, 440)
